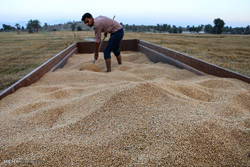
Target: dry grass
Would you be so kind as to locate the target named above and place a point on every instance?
(20, 54)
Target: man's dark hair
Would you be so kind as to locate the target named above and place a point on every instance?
(86, 15)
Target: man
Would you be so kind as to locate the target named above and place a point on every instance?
(106, 25)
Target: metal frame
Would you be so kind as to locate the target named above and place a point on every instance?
(154, 52)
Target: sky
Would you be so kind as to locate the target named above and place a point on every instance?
(234, 13)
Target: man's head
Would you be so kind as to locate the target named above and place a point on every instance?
(88, 19)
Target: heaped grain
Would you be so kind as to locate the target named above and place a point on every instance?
(140, 114)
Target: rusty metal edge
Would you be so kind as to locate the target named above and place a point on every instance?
(195, 63)
(36, 74)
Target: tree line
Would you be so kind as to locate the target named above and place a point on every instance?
(33, 26)
(217, 28)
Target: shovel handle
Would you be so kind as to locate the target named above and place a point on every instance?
(101, 44)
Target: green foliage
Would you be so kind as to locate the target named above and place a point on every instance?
(194, 29)
(208, 29)
(173, 29)
(218, 26)
(150, 28)
(45, 27)
(236, 30)
(179, 30)
(73, 26)
(17, 26)
(33, 26)
(247, 30)
(8, 27)
(79, 28)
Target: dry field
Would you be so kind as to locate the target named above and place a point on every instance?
(20, 54)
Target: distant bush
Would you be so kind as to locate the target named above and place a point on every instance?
(8, 28)
(33, 26)
(79, 28)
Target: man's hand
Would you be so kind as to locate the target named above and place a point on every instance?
(105, 34)
(96, 56)
(96, 50)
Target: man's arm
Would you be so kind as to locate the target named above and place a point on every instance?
(96, 50)
(97, 41)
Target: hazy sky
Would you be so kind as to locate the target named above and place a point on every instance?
(175, 12)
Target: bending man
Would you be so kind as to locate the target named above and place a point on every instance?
(106, 25)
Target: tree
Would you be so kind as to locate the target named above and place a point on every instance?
(159, 28)
(168, 28)
(45, 26)
(191, 29)
(179, 30)
(247, 30)
(33, 26)
(134, 28)
(30, 26)
(175, 29)
(18, 28)
(218, 26)
(8, 27)
(73, 26)
(226, 30)
(36, 25)
(79, 28)
(208, 28)
(198, 29)
(164, 27)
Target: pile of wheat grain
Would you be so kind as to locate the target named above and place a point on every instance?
(140, 114)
